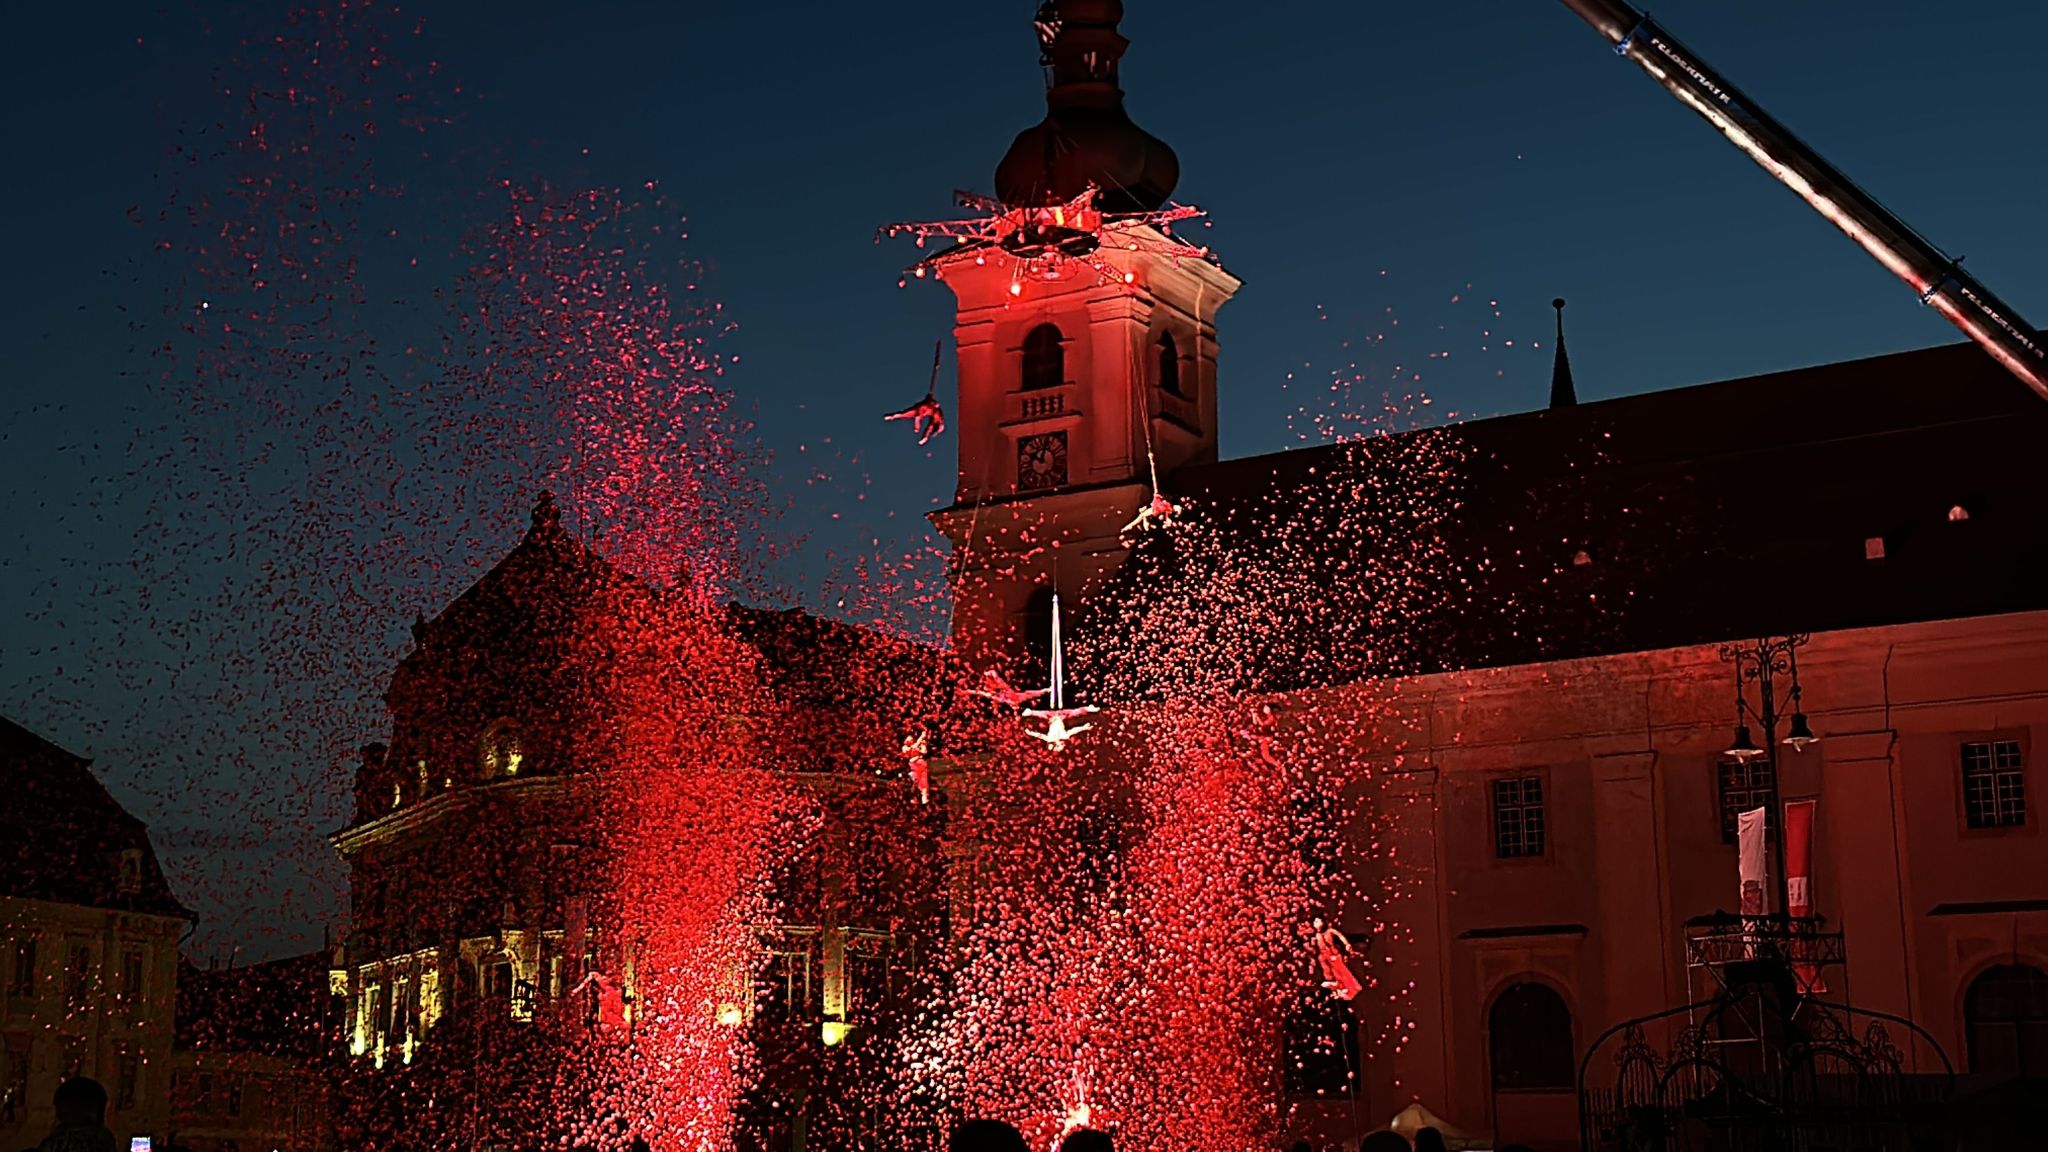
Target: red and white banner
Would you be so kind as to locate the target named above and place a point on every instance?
(1751, 852)
(1799, 881)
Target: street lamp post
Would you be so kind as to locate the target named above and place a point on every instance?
(1761, 663)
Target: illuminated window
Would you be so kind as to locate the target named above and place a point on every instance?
(499, 751)
(783, 990)
(1744, 785)
(1529, 1040)
(1994, 784)
(1169, 365)
(1518, 817)
(1045, 359)
(2005, 1015)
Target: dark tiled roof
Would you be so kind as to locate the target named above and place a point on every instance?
(1703, 514)
(64, 838)
(277, 1008)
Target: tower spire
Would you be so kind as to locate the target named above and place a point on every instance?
(1562, 394)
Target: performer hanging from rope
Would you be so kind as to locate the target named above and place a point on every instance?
(994, 687)
(1160, 511)
(1331, 949)
(915, 746)
(926, 418)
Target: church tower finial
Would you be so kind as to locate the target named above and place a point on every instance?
(1086, 138)
(1562, 393)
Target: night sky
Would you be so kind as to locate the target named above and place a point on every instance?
(1364, 162)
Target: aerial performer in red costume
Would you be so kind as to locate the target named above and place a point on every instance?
(1331, 950)
(915, 746)
(926, 418)
(995, 687)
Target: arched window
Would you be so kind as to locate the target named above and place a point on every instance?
(1529, 1036)
(2005, 1014)
(499, 752)
(1169, 365)
(1045, 359)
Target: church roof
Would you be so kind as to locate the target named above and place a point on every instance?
(65, 839)
(1896, 489)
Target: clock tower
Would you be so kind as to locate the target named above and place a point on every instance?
(1083, 369)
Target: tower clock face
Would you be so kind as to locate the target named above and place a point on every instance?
(1041, 461)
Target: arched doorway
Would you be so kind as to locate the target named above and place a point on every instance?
(1531, 1060)
(2005, 1022)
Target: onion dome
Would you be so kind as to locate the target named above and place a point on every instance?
(1086, 137)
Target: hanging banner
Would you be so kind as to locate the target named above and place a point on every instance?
(1751, 852)
(1799, 884)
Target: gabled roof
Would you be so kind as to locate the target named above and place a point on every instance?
(1670, 518)
(64, 838)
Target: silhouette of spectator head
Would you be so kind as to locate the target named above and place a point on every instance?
(1383, 1140)
(81, 1100)
(1302, 1146)
(1087, 1140)
(986, 1136)
(1429, 1140)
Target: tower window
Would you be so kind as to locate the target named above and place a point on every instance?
(499, 751)
(1169, 365)
(1045, 359)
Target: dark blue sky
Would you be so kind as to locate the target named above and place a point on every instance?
(1356, 156)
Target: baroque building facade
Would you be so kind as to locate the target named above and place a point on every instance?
(89, 933)
(478, 851)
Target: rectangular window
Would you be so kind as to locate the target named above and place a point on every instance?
(235, 1100)
(1518, 817)
(126, 1082)
(132, 973)
(204, 1101)
(78, 979)
(1994, 784)
(21, 982)
(1744, 785)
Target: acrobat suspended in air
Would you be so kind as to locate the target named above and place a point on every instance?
(926, 418)
(1331, 950)
(915, 746)
(994, 687)
(1058, 729)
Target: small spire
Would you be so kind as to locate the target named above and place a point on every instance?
(1562, 394)
(545, 514)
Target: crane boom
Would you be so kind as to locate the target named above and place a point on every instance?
(1941, 282)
